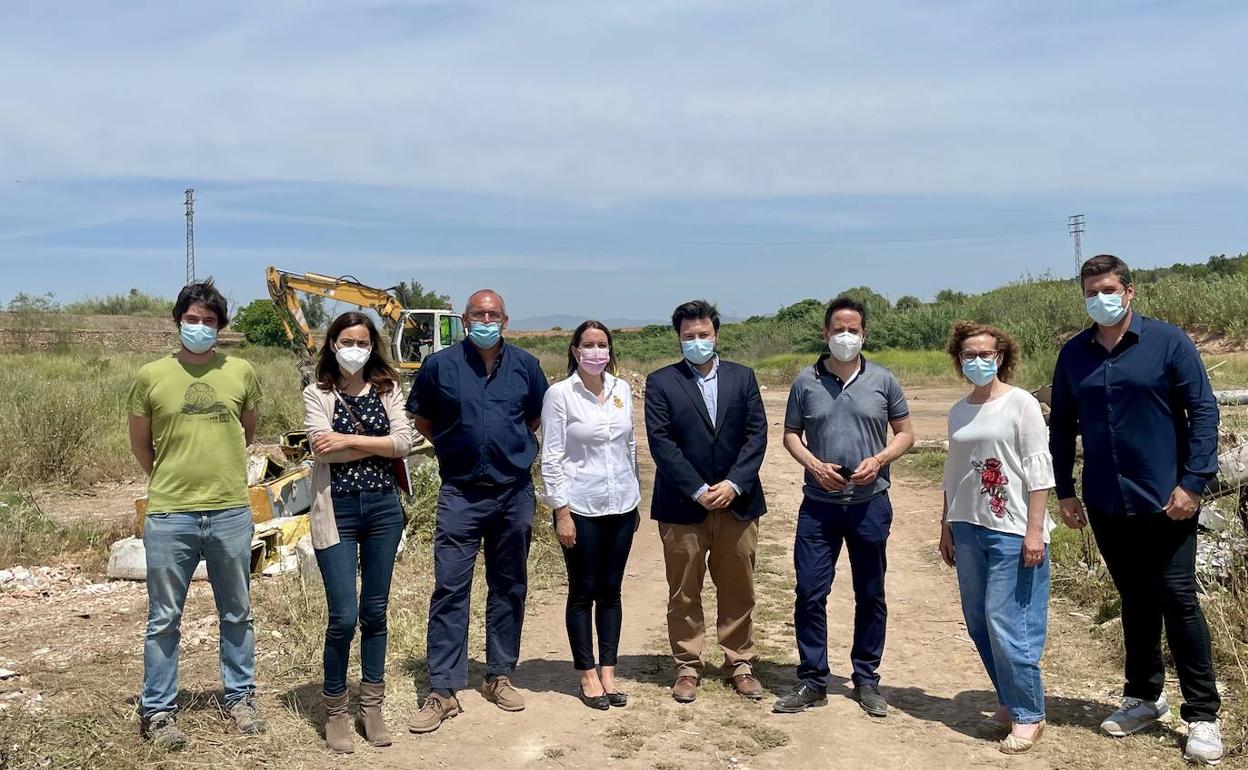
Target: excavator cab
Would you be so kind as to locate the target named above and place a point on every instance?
(420, 333)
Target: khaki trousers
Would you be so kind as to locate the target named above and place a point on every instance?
(730, 544)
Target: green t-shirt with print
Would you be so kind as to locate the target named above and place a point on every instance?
(201, 452)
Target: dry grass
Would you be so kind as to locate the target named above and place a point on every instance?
(28, 537)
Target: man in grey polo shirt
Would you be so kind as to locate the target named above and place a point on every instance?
(843, 406)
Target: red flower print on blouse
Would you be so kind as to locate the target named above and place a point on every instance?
(994, 483)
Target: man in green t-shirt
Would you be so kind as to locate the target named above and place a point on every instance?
(192, 416)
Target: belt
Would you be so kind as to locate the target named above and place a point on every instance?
(489, 484)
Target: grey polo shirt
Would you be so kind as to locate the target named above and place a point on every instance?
(845, 423)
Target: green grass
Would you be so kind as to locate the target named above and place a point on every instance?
(30, 537)
(63, 418)
(928, 466)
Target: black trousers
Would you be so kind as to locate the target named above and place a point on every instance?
(595, 573)
(1152, 559)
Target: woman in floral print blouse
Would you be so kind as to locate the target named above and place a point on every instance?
(995, 528)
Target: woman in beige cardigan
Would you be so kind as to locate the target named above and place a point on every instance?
(356, 427)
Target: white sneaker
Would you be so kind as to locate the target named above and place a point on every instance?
(1204, 743)
(1135, 715)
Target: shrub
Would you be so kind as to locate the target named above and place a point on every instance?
(134, 302)
(260, 325)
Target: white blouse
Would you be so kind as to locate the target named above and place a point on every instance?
(589, 456)
(998, 454)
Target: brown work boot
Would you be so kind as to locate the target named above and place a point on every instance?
(747, 686)
(338, 724)
(500, 692)
(437, 709)
(686, 689)
(372, 696)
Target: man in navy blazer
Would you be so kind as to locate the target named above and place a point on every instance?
(708, 434)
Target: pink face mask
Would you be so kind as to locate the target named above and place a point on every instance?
(595, 360)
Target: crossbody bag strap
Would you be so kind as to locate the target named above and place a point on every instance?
(350, 412)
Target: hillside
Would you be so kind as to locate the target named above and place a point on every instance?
(1209, 300)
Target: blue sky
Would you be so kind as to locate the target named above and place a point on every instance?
(614, 158)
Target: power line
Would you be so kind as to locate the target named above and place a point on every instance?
(1075, 225)
(190, 236)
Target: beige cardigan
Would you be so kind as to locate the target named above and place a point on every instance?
(318, 416)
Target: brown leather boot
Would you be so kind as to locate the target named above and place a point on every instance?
(372, 696)
(338, 724)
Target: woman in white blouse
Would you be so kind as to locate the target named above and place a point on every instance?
(995, 527)
(589, 468)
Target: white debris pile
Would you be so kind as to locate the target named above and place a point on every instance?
(1217, 552)
(636, 382)
(41, 578)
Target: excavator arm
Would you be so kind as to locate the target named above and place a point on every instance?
(284, 288)
(417, 329)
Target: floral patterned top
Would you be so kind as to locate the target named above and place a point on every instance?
(998, 454)
(368, 474)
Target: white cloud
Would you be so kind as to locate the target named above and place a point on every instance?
(616, 101)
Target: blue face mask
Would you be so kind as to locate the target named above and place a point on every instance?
(697, 352)
(1105, 309)
(979, 371)
(485, 335)
(198, 338)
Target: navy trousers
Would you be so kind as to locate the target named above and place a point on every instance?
(821, 530)
(500, 519)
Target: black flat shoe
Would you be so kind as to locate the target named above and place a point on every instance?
(619, 699)
(600, 702)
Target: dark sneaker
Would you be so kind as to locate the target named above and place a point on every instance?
(162, 731)
(800, 699)
(868, 696)
(1135, 715)
(247, 718)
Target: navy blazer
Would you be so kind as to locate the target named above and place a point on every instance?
(688, 452)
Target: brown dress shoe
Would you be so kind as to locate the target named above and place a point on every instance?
(437, 709)
(747, 686)
(500, 692)
(685, 689)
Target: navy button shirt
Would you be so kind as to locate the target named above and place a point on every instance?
(1146, 413)
(480, 419)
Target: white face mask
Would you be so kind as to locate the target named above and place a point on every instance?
(352, 359)
(845, 346)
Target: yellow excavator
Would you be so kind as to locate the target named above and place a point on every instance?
(415, 333)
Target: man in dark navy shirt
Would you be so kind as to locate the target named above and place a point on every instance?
(1137, 392)
(479, 404)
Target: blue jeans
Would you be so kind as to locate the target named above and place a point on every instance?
(1006, 606)
(369, 527)
(822, 528)
(500, 518)
(175, 543)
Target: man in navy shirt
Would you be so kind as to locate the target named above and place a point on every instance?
(1137, 392)
(479, 403)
